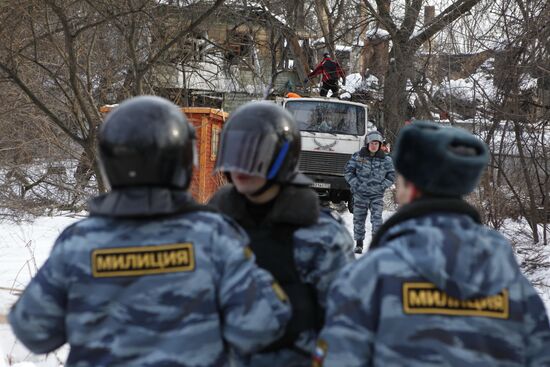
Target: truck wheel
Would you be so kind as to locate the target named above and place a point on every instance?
(350, 204)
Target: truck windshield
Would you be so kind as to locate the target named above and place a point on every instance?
(328, 117)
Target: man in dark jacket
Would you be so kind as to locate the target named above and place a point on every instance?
(437, 288)
(331, 71)
(302, 246)
(368, 173)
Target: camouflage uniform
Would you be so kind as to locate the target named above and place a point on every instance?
(435, 289)
(368, 177)
(174, 290)
(322, 246)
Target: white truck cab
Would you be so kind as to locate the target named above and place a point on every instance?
(332, 130)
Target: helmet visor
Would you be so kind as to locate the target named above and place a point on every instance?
(246, 152)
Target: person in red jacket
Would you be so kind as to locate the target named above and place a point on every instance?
(331, 71)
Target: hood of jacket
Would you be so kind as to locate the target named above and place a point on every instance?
(296, 205)
(443, 241)
(143, 202)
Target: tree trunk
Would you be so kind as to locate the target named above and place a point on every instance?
(532, 219)
(395, 92)
(324, 21)
(101, 184)
(300, 58)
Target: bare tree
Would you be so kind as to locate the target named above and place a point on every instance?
(406, 39)
(68, 59)
(512, 109)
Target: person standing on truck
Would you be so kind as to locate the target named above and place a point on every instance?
(150, 278)
(303, 246)
(331, 71)
(436, 288)
(368, 173)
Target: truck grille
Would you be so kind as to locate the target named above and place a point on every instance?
(323, 163)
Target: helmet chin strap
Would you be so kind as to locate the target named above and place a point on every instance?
(268, 184)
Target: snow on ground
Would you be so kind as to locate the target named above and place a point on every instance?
(355, 82)
(25, 247)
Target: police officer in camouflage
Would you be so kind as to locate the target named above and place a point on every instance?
(437, 288)
(150, 278)
(302, 246)
(368, 173)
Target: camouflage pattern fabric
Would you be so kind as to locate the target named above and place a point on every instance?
(440, 290)
(320, 252)
(361, 206)
(174, 291)
(322, 247)
(368, 177)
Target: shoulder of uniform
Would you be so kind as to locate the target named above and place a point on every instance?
(73, 229)
(490, 232)
(372, 260)
(494, 236)
(332, 214)
(216, 220)
(231, 223)
(223, 221)
(329, 231)
(356, 155)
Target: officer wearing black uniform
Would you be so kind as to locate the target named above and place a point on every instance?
(302, 246)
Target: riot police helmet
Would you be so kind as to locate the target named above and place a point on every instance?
(262, 139)
(147, 141)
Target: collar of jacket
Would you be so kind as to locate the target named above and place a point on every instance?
(296, 205)
(365, 153)
(422, 207)
(141, 202)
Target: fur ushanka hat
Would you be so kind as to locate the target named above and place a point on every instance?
(442, 161)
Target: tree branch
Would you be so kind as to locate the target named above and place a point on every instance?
(382, 16)
(178, 36)
(23, 86)
(450, 14)
(411, 17)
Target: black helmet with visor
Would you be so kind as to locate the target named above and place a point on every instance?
(261, 139)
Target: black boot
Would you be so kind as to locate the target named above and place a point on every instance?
(359, 247)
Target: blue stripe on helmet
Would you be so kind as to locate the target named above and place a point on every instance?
(278, 161)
